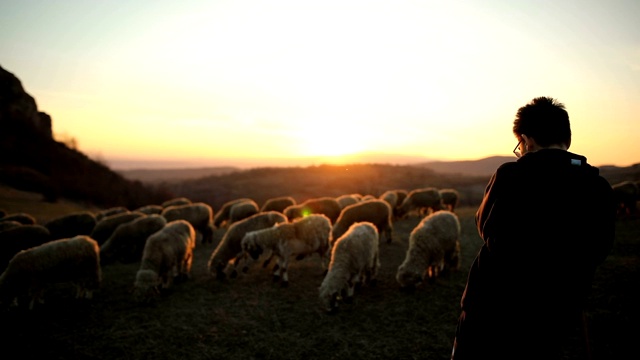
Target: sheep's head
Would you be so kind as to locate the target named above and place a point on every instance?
(250, 246)
(146, 286)
(329, 300)
(408, 278)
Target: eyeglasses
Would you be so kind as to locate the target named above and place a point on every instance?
(516, 150)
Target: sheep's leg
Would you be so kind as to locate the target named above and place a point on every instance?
(277, 270)
(283, 271)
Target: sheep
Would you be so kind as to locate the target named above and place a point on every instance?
(176, 201)
(627, 194)
(111, 211)
(107, 225)
(302, 237)
(391, 197)
(150, 209)
(434, 246)
(167, 256)
(377, 212)
(32, 271)
(277, 204)
(21, 217)
(450, 198)
(402, 194)
(221, 217)
(72, 224)
(348, 199)
(20, 238)
(199, 214)
(230, 247)
(127, 242)
(423, 201)
(9, 224)
(355, 261)
(242, 210)
(326, 205)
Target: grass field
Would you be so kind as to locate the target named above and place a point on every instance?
(252, 318)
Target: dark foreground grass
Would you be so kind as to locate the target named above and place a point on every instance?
(252, 318)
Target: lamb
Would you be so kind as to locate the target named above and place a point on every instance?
(127, 242)
(377, 212)
(230, 246)
(21, 217)
(434, 246)
(277, 204)
(326, 205)
(450, 198)
(221, 217)
(167, 256)
(423, 201)
(354, 261)
(176, 201)
(348, 199)
(107, 225)
(198, 214)
(242, 210)
(302, 237)
(30, 272)
(72, 224)
(19, 238)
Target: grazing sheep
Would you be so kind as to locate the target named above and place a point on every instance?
(167, 256)
(70, 225)
(126, 243)
(242, 210)
(21, 217)
(434, 246)
(176, 201)
(450, 198)
(199, 215)
(278, 204)
(9, 224)
(391, 197)
(111, 211)
(150, 209)
(323, 205)
(348, 199)
(230, 246)
(423, 201)
(302, 237)
(377, 212)
(402, 194)
(107, 225)
(32, 271)
(20, 238)
(221, 217)
(627, 194)
(354, 261)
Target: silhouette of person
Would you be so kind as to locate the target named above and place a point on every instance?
(547, 221)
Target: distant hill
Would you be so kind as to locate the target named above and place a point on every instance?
(480, 167)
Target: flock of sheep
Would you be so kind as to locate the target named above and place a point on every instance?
(344, 231)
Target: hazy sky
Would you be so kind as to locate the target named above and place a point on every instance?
(270, 80)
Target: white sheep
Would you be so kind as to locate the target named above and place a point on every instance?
(111, 211)
(326, 205)
(423, 201)
(107, 225)
(150, 209)
(230, 247)
(450, 198)
(221, 218)
(33, 271)
(348, 199)
(278, 204)
(127, 242)
(72, 224)
(176, 201)
(302, 237)
(21, 217)
(242, 210)
(354, 261)
(167, 255)
(20, 238)
(434, 246)
(377, 212)
(198, 214)
(391, 197)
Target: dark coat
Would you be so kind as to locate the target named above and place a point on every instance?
(547, 221)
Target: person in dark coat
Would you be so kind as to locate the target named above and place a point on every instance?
(547, 221)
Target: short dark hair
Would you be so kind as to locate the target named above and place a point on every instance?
(544, 119)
